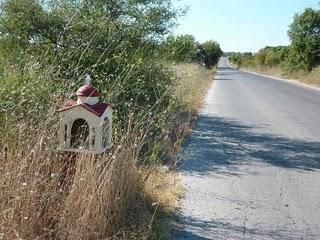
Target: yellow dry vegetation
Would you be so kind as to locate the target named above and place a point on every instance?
(45, 194)
(310, 78)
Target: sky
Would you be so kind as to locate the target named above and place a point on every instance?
(240, 25)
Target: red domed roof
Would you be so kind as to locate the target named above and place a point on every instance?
(97, 109)
(87, 90)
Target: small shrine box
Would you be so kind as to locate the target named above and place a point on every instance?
(85, 124)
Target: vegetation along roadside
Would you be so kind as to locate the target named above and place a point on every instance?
(300, 60)
(46, 49)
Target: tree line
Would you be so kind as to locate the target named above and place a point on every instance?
(303, 53)
(185, 48)
(123, 44)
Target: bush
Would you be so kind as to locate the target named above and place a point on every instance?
(305, 40)
(296, 60)
(261, 57)
(184, 48)
(213, 53)
(236, 59)
(179, 49)
(272, 59)
(60, 196)
(66, 40)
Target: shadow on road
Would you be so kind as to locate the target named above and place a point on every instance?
(230, 72)
(221, 146)
(223, 79)
(226, 68)
(225, 71)
(226, 231)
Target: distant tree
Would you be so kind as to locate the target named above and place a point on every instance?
(304, 33)
(201, 54)
(272, 58)
(184, 48)
(236, 58)
(283, 52)
(213, 52)
(228, 54)
(180, 49)
(261, 56)
(247, 54)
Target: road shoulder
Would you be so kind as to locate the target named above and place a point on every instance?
(291, 81)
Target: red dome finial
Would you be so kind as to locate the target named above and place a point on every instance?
(87, 90)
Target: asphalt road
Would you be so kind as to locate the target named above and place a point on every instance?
(251, 167)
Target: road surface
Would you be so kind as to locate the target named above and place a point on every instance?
(251, 167)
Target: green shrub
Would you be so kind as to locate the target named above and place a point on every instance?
(261, 57)
(184, 48)
(272, 59)
(179, 49)
(213, 53)
(305, 40)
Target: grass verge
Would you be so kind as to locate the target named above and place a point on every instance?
(162, 190)
(310, 78)
(48, 195)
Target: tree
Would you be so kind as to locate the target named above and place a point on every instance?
(112, 40)
(68, 23)
(201, 54)
(272, 58)
(180, 49)
(261, 57)
(213, 52)
(236, 58)
(304, 34)
(184, 48)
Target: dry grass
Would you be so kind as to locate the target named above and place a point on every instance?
(49, 195)
(311, 78)
(273, 71)
(164, 191)
(192, 84)
(162, 188)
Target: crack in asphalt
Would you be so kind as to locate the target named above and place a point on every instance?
(245, 221)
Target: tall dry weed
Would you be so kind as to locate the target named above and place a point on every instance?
(45, 194)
